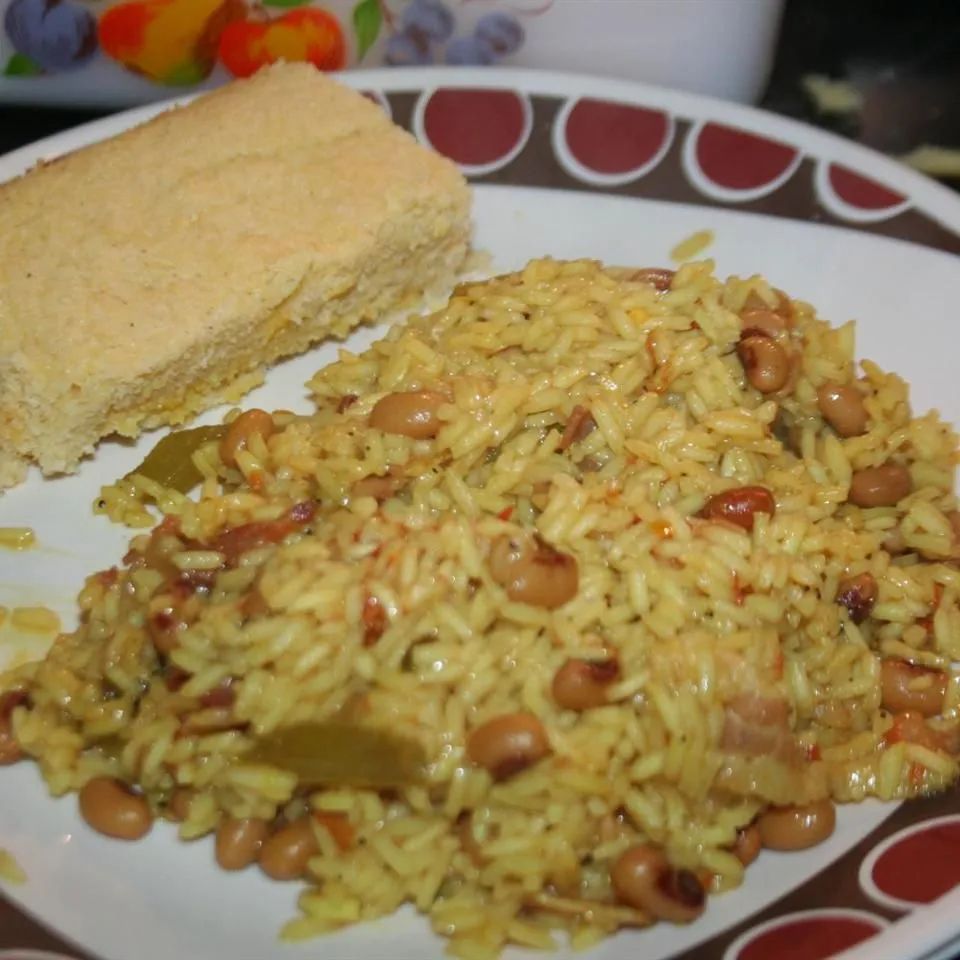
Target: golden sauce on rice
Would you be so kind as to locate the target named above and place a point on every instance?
(565, 601)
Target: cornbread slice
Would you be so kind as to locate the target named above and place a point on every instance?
(148, 276)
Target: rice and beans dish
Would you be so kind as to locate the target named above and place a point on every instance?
(564, 603)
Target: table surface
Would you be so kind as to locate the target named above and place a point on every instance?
(900, 58)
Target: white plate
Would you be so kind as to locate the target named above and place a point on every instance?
(159, 899)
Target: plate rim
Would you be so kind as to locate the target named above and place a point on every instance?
(934, 199)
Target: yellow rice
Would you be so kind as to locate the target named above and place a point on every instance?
(34, 620)
(17, 538)
(692, 246)
(697, 613)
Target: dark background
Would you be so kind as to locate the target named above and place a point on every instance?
(902, 57)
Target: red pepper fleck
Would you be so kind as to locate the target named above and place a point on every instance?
(927, 621)
(937, 596)
(182, 589)
(163, 620)
(221, 695)
(910, 727)
(506, 513)
(374, 619)
(338, 826)
(778, 664)
(580, 425)
(650, 345)
(193, 580)
(253, 605)
(303, 512)
(238, 540)
(109, 577)
(169, 524)
(740, 591)
(175, 678)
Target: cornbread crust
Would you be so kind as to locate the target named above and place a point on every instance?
(145, 277)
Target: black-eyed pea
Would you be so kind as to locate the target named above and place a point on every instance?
(582, 684)
(284, 855)
(409, 413)
(797, 827)
(112, 808)
(508, 744)
(766, 364)
(747, 846)
(179, 804)
(858, 594)
(841, 405)
(882, 486)
(643, 878)
(238, 842)
(241, 431)
(905, 688)
(531, 571)
(740, 505)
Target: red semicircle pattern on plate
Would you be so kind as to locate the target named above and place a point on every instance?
(738, 160)
(937, 848)
(809, 937)
(614, 138)
(474, 127)
(860, 191)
